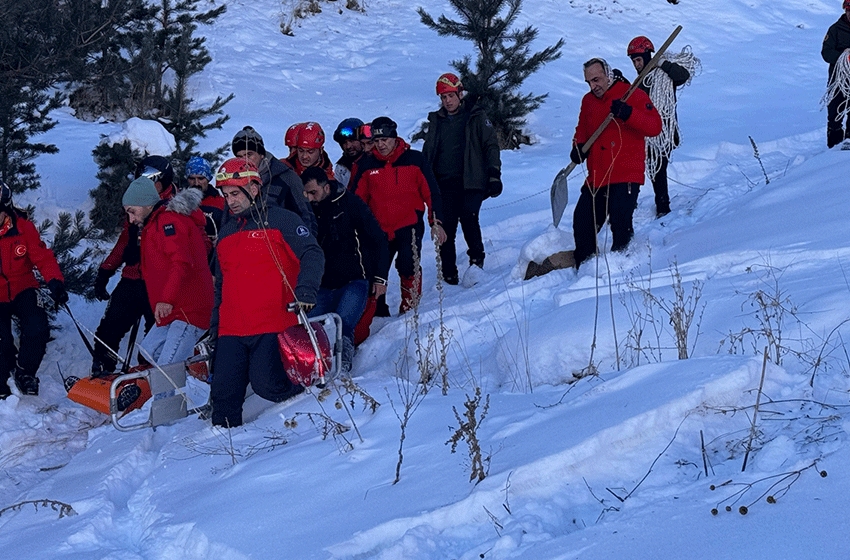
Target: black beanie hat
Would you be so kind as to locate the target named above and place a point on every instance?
(384, 127)
(248, 139)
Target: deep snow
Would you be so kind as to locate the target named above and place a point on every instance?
(563, 453)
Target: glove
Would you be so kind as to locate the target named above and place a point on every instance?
(666, 65)
(494, 187)
(297, 306)
(57, 292)
(621, 110)
(100, 283)
(576, 155)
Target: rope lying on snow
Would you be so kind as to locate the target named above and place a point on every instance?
(839, 83)
(663, 96)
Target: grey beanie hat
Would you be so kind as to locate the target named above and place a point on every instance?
(141, 192)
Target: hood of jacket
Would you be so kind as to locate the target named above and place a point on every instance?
(186, 201)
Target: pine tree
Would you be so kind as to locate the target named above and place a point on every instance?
(503, 62)
(116, 164)
(79, 267)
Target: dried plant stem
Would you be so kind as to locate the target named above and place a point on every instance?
(755, 413)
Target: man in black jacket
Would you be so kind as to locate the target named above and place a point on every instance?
(356, 253)
(640, 51)
(836, 42)
(281, 185)
(463, 151)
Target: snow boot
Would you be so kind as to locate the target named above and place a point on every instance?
(834, 137)
(128, 394)
(27, 383)
(411, 291)
(99, 369)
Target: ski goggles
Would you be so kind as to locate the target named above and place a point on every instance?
(347, 133)
(365, 131)
(151, 173)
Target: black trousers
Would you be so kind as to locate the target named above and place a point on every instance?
(128, 302)
(401, 247)
(461, 206)
(832, 113)
(659, 186)
(34, 333)
(617, 203)
(240, 360)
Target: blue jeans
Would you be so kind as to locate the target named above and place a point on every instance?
(174, 342)
(348, 302)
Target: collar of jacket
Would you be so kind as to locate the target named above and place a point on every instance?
(400, 147)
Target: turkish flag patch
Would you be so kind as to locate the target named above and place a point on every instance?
(168, 229)
(20, 250)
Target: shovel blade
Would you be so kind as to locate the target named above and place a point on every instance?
(559, 195)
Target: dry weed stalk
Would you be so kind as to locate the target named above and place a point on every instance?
(62, 508)
(468, 431)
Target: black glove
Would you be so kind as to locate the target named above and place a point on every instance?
(297, 306)
(57, 292)
(621, 110)
(494, 187)
(100, 283)
(666, 65)
(576, 154)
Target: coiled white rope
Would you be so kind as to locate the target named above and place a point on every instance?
(663, 96)
(839, 83)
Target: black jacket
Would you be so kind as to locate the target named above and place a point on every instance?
(355, 246)
(283, 187)
(481, 158)
(837, 39)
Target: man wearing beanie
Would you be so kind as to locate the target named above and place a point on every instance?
(198, 176)
(22, 250)
(128, 302)
(462, 149)
(281, 185)
(397, 184)
(174, 267)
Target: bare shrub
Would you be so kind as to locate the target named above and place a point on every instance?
(468, 431)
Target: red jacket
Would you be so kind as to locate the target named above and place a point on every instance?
(396, 187)
(174, 260)
(118, 255)
(262, 267)
(21, 249)
(619, 154)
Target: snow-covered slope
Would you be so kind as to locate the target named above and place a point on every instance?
(609, 466)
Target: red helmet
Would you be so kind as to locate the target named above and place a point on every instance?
(846, 4)
(237, 172)
(310, 135)
(448, 82)
(640, 45)
(290, 139)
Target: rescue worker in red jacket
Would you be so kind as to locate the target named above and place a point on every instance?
(266, 259)
(128, 302)
(397, 184)
(198, 176)
(21, 250)
(310, 150)
(616, 161)
(174, 267)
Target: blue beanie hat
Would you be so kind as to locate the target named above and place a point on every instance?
(199, 166)
(141, 192)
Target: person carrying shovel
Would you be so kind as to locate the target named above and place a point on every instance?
(615, 161)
